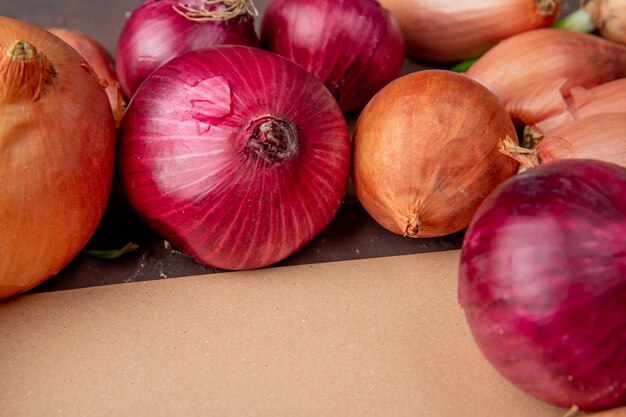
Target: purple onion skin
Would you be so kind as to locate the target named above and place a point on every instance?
(156, 33)
(354, 46)
(543, 282)
(197, 162)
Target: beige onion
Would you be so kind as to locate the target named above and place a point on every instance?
(426, 153)
(453, 30)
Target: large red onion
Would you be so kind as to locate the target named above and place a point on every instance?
(235, 155)
(354, 46)
(160, 30)
(543, 282)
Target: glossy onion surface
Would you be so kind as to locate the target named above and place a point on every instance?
(543, 282)
(160, 30)
(354, 46)
(237, 156)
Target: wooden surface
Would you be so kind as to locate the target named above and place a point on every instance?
(352, 235)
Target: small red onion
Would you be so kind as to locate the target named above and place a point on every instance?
(235, 155)
(543, 282)
(160, 30)
(354, 46)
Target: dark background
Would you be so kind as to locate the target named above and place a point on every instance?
(353, 234)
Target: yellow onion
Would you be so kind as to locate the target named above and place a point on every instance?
(102, 64)
(581, 103)
(602, 137)
(515, 65)
(453, 30)
(57, 143)
(426, 152)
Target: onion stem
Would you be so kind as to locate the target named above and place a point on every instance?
(528, 158)
(26, 72)
(107, 255)
(579, 21)
(233, 8)
(464, 66)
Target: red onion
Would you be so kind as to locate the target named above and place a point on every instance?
(235, 155)
(354, 46)
(543, 282)
(160, 30)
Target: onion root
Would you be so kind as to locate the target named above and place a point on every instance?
(233, 9)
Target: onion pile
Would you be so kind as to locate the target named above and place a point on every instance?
(543, 282)
(426, 153)
(354, 46)
(454, 30)
(57, 143)
(102, 64)
(160, 30)
(236, 156)
(239, 157)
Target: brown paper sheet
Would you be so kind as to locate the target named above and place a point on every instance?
(378, 337)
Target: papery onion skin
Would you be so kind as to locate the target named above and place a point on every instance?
(57, 145)
(353, 46)
(541, 100)
(453, 30)
(549, 105)
(515, 64)
(542, 281)
(155, 33)
(609, 17)
(581, 104)
(425, 153)
(193, 164)
(101, 62)
(602, 137)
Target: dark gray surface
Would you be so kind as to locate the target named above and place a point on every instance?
(353, 234)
